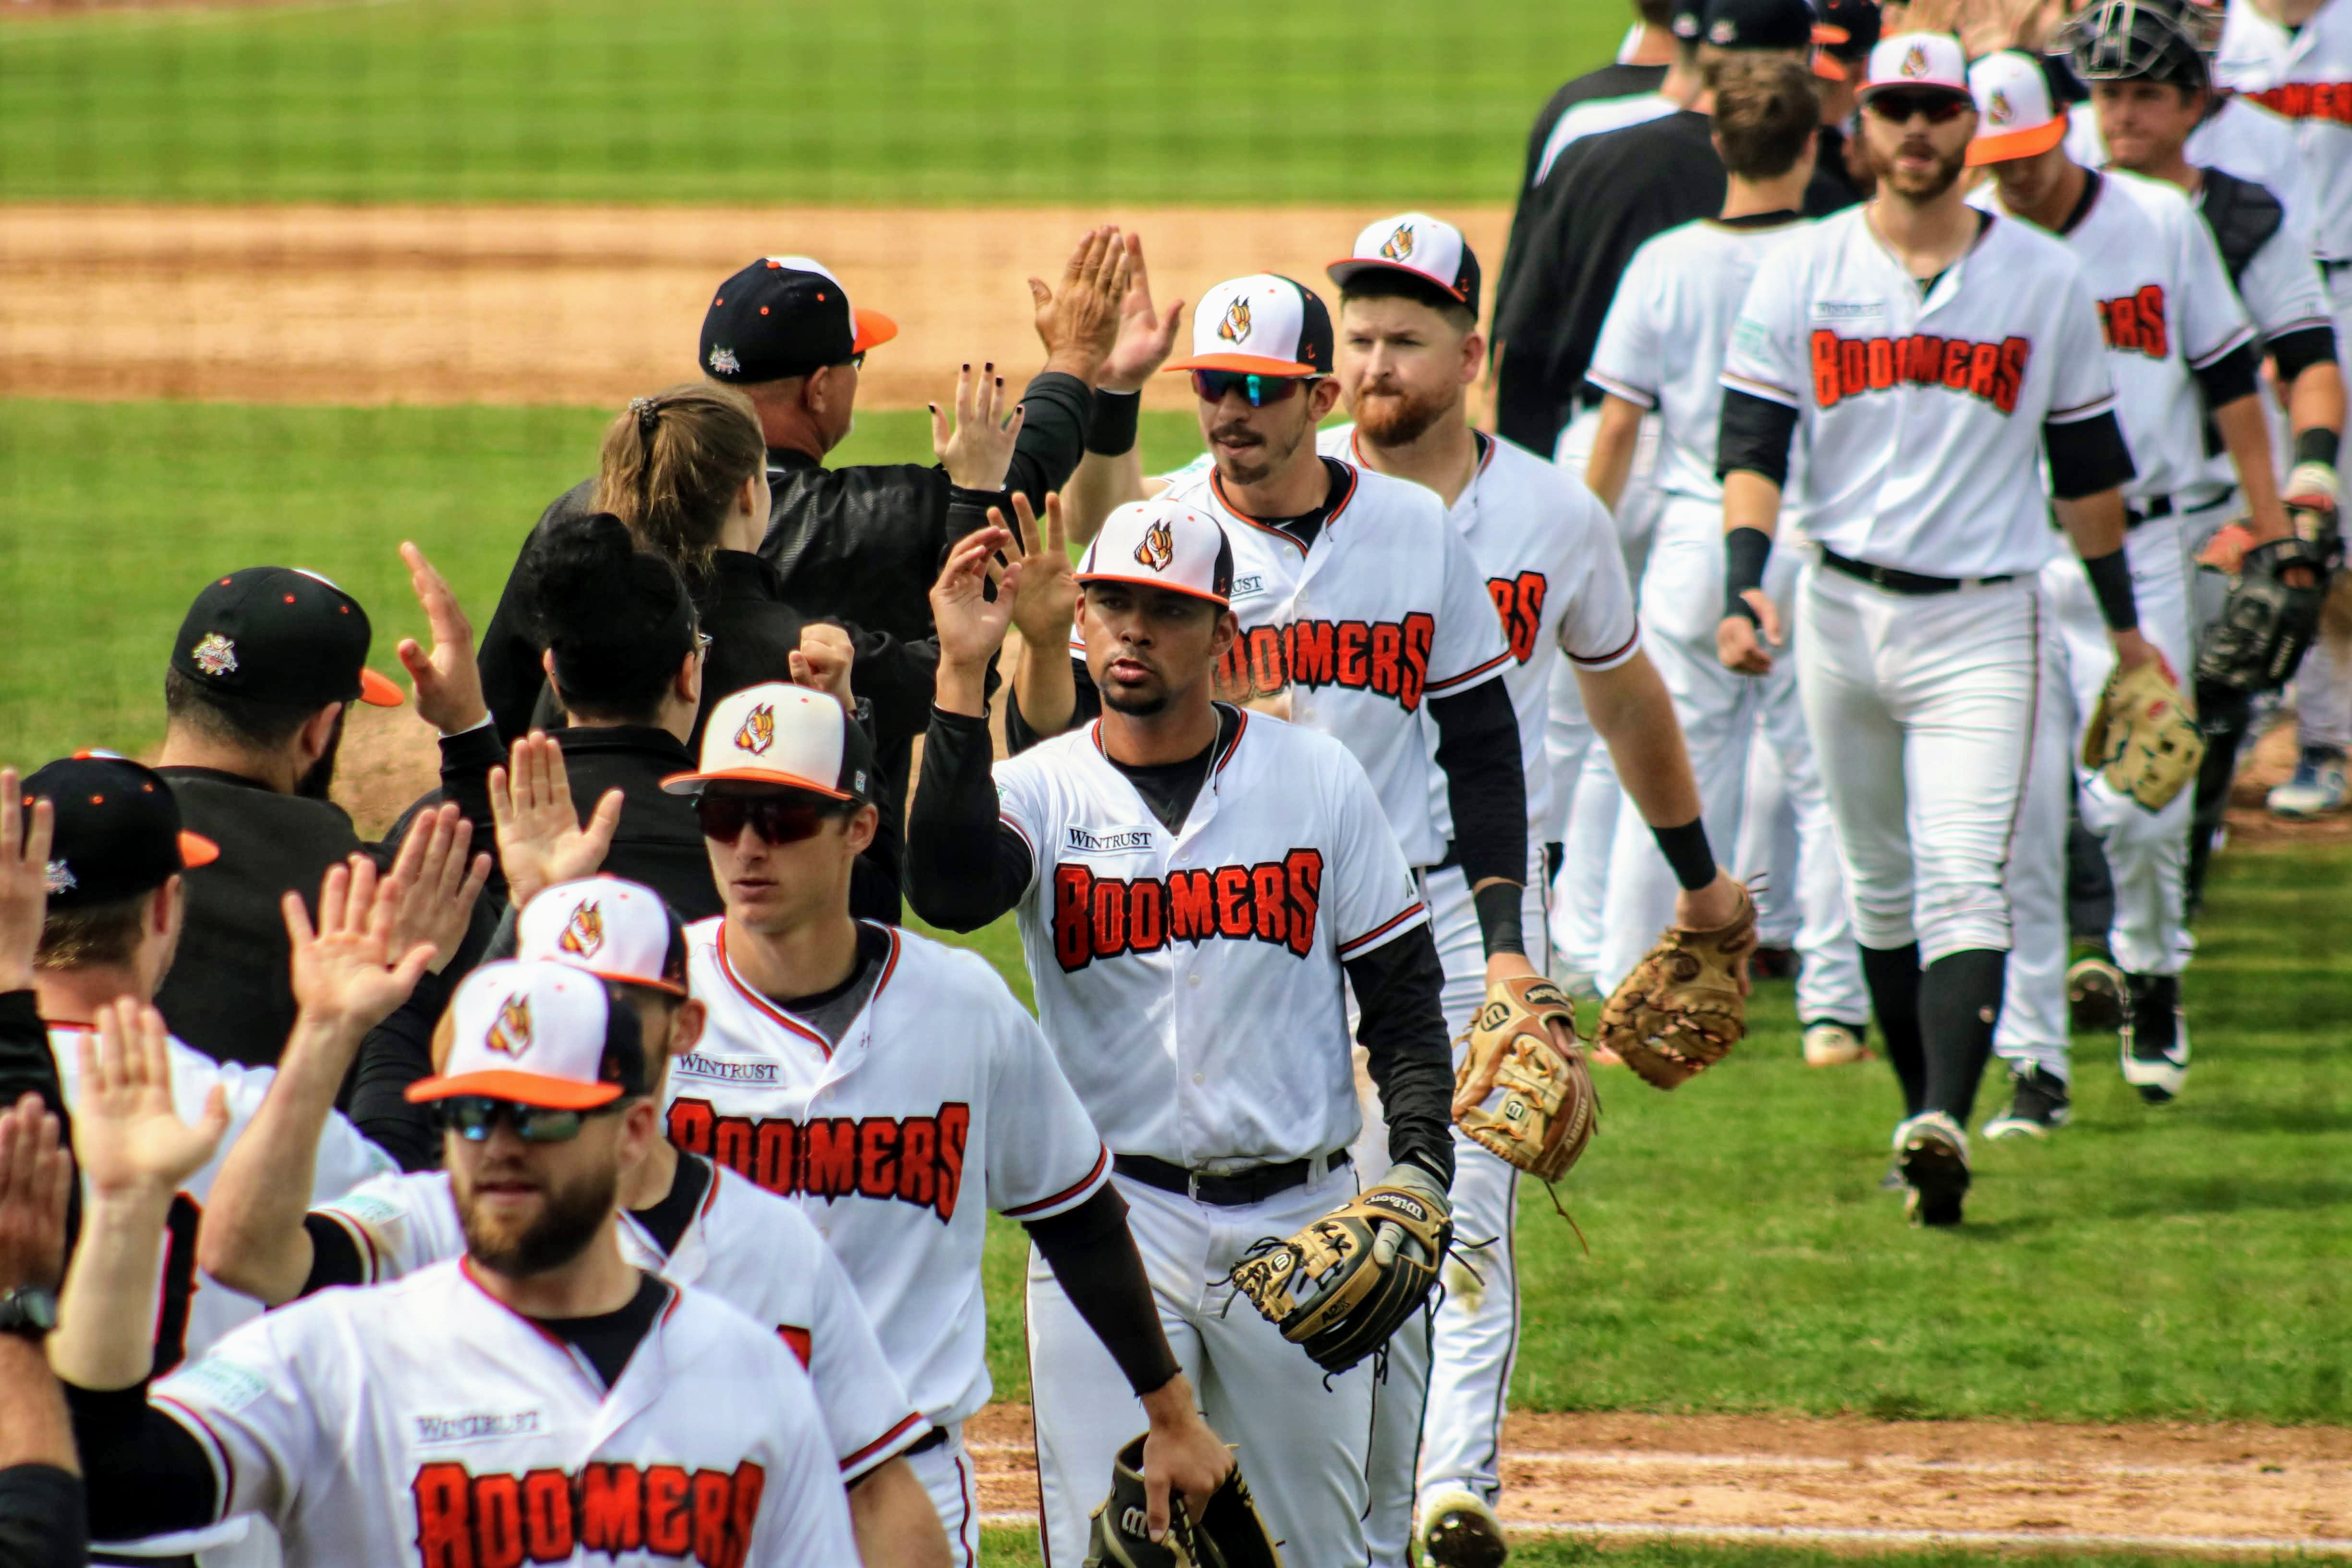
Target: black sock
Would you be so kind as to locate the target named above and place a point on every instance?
(1892, 976)
(1960, 1003)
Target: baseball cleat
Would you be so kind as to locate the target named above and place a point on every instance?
(2154, 1037)
(2037, 1106)
(1830, 1044)
(1459, 1531)
(2095, 993)
(2316, 788)
(1934, 1153)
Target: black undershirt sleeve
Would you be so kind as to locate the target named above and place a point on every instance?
(1087, 708)
(964, 866)
(1399, 988)
(27, 1064)
(2297, 352)
(1092, 1256)
(1057, 408)
(396, 1053)
(2235, 375)
(334, 1255)
(146, 1474)
(44, 1518)
(1478, 749)
(2086, 455)
(1753, 437)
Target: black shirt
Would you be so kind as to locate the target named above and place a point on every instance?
(44, 1521)
(1609, 81)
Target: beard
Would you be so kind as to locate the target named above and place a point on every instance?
(1259, 462)
(568, 1221)
(1397, 418)
(1919, 188)
(1135, 704)
(315, 784)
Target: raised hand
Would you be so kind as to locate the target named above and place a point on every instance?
(436, 884)
(128, 1136)
(350, 972)
(35, 1176)
(25, 835)
(823, 660)
(1079, 324)
(1045, 595)
(978, 451)
(540, 839)
(448, 683)
(971, 623)
(1146, 336)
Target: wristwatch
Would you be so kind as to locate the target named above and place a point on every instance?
(28, 1310)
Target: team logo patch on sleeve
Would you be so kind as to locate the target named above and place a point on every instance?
(215, 655)
(1398, 245)
(583, 933)
(758, 731)
(1159, 546)
(1235, 327)
(510, 1036)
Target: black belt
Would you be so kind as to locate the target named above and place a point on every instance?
(1899, 582)
(2149, 510)
(934, 1438)
(1254, 1186)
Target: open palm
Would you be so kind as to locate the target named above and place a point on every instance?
(128, 1135)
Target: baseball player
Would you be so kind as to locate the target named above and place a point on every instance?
(691, 1222)
(1661, 354)
(827, 1074)
(2183, 355)
(539, 1398)
(1197, 886)
(1407, 349)
(1929, 356)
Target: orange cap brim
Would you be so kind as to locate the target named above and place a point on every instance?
(2011, 145)
(1825, 33)
(1826, 67)
(1248, 364)
(874, 328)
(750, 775)
(378, 692)
(195, 850)
(522, 1088)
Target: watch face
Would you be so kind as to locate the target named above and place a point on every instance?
(28, 1308)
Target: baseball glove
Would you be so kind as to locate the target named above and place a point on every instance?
(1519, 1092)
(1684, 1005)
(2267, 622)
(2313, 508)
(2143, 737)
(1343, 1285)
(1228, 1534)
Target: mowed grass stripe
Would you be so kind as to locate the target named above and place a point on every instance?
(944, 102)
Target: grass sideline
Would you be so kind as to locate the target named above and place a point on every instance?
(953, 103)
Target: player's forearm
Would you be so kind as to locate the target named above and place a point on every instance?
(1611, 463)
(964, 867)
(2094, 523)
(895, 1520)
(106, 1318)
(2316, 400)
(1399, 997)
(146, 1473)
(252, 1239)
(1052, 435)
(1633, 714)
(1750, 500)
(2246, 437)
(1045, 687)
(33, 1428)
(1103, 483)
(1094, 1258)
(1486, 785)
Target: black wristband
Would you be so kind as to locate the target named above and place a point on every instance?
(1497, 904)
(1110, 432)
(2318, 445)
(2111, 583)
(1688, 852)
(1744, 551)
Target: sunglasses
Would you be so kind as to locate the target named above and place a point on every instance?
(1899, 108)
(777, 819)
(472, 1116)
(1260, 390)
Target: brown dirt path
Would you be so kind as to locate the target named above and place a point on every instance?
(1864, 1482)
(554, 305)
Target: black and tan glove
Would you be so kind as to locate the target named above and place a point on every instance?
(1223, 1532)
(1523, 1092)
(2143, 737)
(1342, 1286)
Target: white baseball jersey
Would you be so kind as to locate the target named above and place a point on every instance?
(758, 1254)
(2240, 138)
(426, 1423)
(1921, 420)
(1192, 982)
(2305, 77)
(1663, 345)
(2168, 309)
(1557, 578)
(345, 1160)
(941, 1075)
(1386, 610)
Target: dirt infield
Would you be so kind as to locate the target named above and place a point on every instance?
(555, 305)
(2188, 1487)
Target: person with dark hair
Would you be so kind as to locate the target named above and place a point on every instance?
(262, 674)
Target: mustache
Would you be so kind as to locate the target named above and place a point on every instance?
(1235, 431)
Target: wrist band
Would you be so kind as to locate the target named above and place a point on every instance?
(1497, 904)
(1687, 851)
(1745, 551)
(2317, 446)
(2111, 583)
(1110, 432)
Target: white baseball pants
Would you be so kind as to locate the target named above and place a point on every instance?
(1720, 713)
(1302, 1439)
(1438, 1417)
(946, 1472)
(1921, 710)
(2147, 851)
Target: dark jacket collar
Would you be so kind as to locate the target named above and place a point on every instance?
(792, 457)
(626, 738)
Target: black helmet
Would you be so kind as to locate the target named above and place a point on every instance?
(2142, 40)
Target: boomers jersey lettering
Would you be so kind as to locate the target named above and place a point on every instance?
(2304, 75)
(426, 1423)
(939, 1102)
(1922, 419)
(1192, 982)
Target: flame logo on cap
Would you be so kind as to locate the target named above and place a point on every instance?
(583, 933)
(1999, 110)
(57, 876)
(215, 655)
(758, 731)
(724, 362)
(510, 1036)
(1159, 546)
(1915, 61)
(1235, 327)
(1399, 245)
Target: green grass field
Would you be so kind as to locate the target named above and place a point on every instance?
(951, 102)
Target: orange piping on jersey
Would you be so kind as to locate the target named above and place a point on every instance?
(751, 994)
(466, 1267)
(1102, 1163)
(1618, 652)
(1217, 484)
(220, 1452)
(1435, 687)
(1382, 928)
(1235, 744)
(883, 1441)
